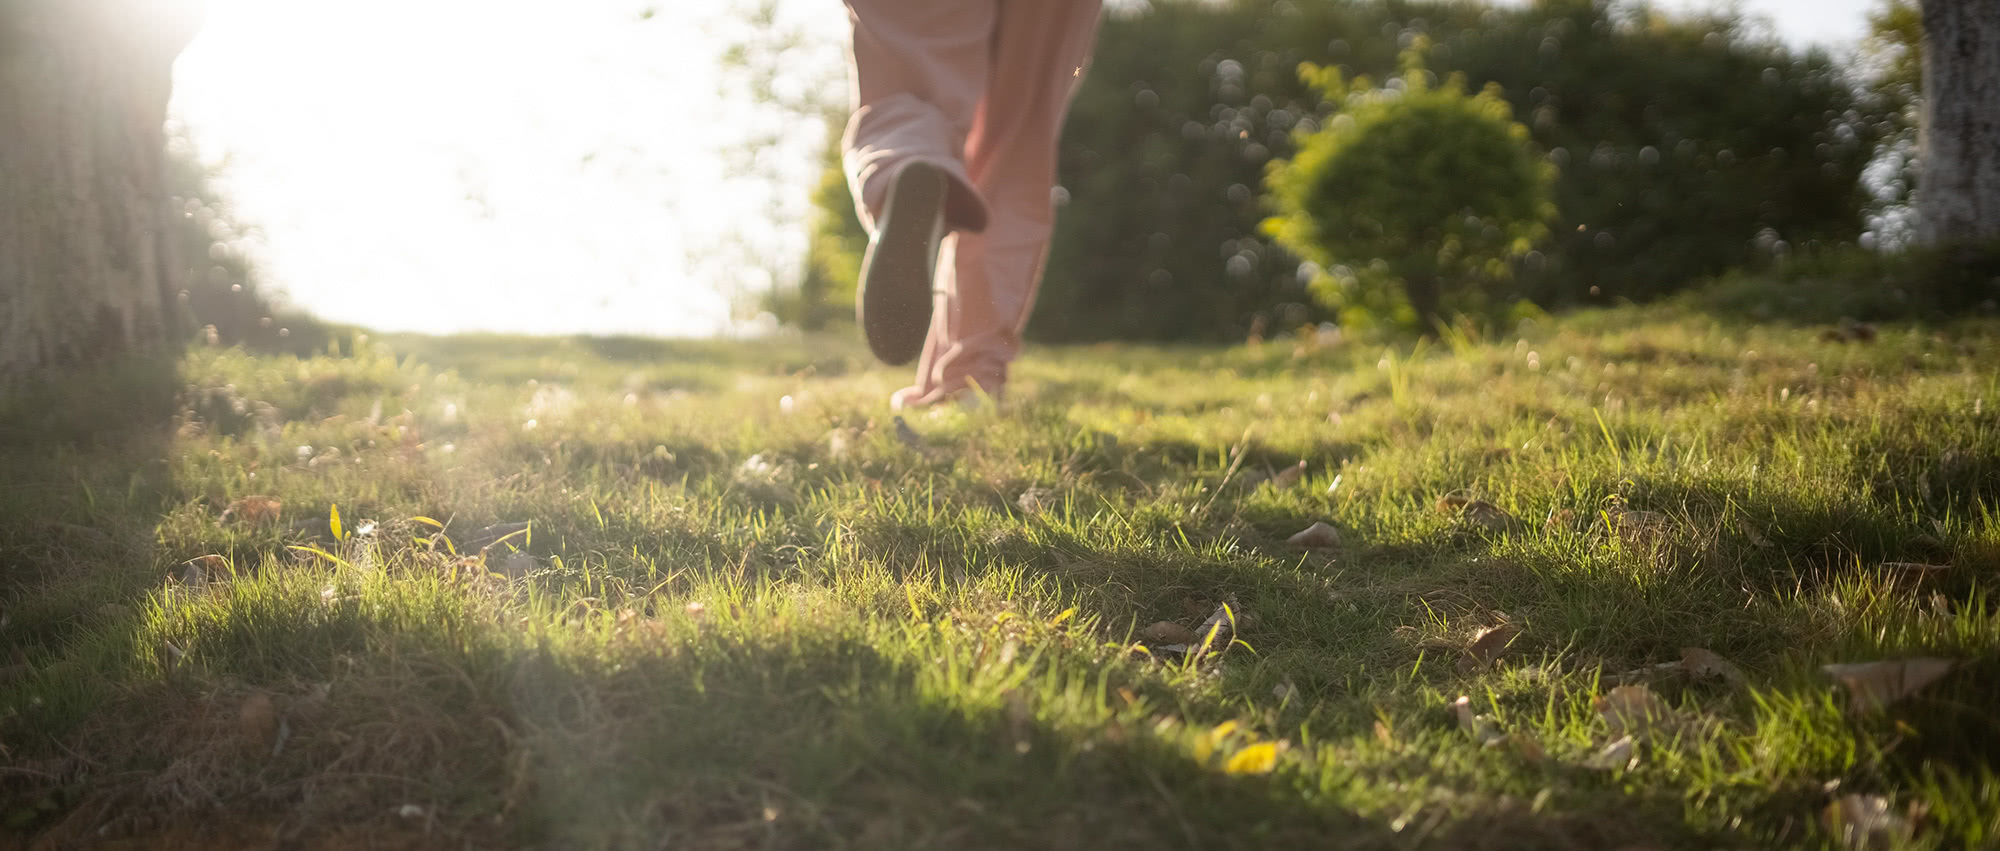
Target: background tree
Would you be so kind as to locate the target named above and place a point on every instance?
(1413, 187)
(1686, 145)
(87, 265)
(1958, 199)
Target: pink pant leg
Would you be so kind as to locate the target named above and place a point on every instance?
(987, 280)
(920, 69)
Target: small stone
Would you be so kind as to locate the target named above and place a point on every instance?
(1315, 537)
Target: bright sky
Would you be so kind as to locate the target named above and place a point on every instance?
(548, 166)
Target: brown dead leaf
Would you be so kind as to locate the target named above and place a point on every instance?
(254, 511)
(1167, 632)
(1316, 537)
(1287, 477)
(1865, 822)
(1489, 643)
(1492, 517)
(257, 721)
(1706, 663)
(198, 571)
(1527, 747)
(1874, 685)
(1633, 710)
(1478, 512)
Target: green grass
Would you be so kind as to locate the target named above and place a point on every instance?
(738, 622)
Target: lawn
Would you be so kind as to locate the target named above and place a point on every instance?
(604, 593)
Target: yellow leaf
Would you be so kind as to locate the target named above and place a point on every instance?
(1205, 746)
(427, 521)
(1256, 759)
(1066, 615)
(333, 521)
(322, 554)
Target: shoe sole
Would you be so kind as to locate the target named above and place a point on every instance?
(894, 307)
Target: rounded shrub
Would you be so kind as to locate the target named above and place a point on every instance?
(1412, 200)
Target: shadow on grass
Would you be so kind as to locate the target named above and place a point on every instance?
(816, 741)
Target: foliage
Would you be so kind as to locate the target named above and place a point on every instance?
(1933, 283)
(835, 244)
(1896, 41)
(1686, 144)
(1415, 189)
(742, 622)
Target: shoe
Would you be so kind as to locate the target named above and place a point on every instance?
(894, 304)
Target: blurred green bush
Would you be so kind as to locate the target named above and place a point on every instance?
(1413, 199)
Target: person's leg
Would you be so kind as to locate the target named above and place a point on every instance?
(920, 69)
(988, 280)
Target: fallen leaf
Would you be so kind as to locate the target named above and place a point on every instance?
(1493, 517)
(1633, 710)
(253, 510)
(1036, 500)
(1259, 758)
(1287, 477)
(515, 565)
(197, 571)
(257, 720)
(1705, 663)
(1167, 632)
(1865, 821)
(1489, 643)
(1874, 685)
(1619, 755)
(1527, 747)
(1315, 537)
(1219, 630)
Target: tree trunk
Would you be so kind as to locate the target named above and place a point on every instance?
(85, 239)
(1958, 189)
(1427, 299)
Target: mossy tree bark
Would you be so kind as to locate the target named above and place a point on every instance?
(86, 270)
